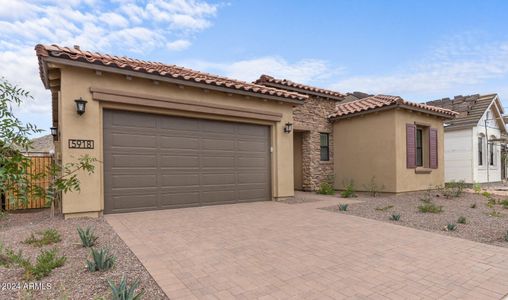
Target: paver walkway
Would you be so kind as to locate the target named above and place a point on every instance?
(270, 250)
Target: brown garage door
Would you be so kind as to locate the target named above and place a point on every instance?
(156, 162)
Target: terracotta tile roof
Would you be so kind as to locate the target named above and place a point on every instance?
(160, 69)
(379, 101)
(470, 108)
(281, 83)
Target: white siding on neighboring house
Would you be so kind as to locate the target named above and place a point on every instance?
(487, 173)
(458, 158)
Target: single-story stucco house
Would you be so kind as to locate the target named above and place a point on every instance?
(474, 139)
(170, 137)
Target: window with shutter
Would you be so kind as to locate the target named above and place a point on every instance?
(411, 146)
(433, 151)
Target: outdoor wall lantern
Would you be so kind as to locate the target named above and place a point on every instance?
(288, 128)
(80, 106)
(54, 131)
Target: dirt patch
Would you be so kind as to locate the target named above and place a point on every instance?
(72, 280)
(480, 226)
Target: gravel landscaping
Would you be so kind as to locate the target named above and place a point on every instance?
(72, 280)
(480, 225)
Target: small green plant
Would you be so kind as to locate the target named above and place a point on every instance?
(384, 208)
(453, 189)
(8, 257)
(102, 260)
(46, 237)
(494, 213)
(462, 220)
(343, 207)
(349, 190)
(124, 290)
(477, 188)
(427, 197)
(45, 263)
(451, 227)
(395, 217)
(87, 237)
(473, 205)
(504, 203)
(373, 187)
(325, 188)
(430, 208)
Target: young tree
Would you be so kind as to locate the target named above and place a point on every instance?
(16, 182)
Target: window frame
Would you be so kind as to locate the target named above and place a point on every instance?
(481, 142)
(419, 147)
(324, 147)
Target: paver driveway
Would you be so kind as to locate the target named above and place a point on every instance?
(270, 250)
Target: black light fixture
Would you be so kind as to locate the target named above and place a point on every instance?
(54, 131)
(288, 128)
(80, 106)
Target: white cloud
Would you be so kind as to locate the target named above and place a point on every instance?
(118, 27)
(178, 45)
(304, 71)
(461, 63)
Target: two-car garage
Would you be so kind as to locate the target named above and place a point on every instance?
(158, 161)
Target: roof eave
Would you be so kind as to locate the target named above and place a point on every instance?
(97, 67)
(300, 90)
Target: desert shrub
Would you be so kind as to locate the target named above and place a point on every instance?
(45, 237)
(343, 207)
(427, 197)
(494, 213)
(451, 227)
(45, 263)
(349, 190)
(504, 203)
(462, 220)
(477, 188)
(430, 208)
(453, 189)
(325, 188)
(8, 257)
(124, 290)
(102, 260)
(473, 205)
(384, 208)
(373, 187)
(87, 236)
(395, 217)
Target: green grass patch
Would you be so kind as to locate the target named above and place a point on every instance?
(43, 238)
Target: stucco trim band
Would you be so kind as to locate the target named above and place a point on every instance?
(113, 96)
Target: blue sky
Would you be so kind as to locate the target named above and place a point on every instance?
(420, 50)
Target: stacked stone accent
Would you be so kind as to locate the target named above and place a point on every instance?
(312, 118)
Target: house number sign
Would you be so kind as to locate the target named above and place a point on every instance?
(81, 144)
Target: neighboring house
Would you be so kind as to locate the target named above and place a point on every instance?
(474, 139)
(396, 142)
(169, 137)
(312, 136)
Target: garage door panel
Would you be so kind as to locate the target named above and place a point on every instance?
(133, 140)
(179, 199)
(135, 202)
(180, 180)
(133, 181)
(167, 162)
(133, 161)
(131, 120)
(178, 142)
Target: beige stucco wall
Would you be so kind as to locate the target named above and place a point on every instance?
(76, 83)
(375, 145)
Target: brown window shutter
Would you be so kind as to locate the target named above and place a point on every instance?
(433, 161)
(411, 146)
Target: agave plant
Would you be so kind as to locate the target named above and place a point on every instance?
(395, 217)
(124, 291)
(451, 227)
(343, 207)
(87, 237)
(102, 260)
